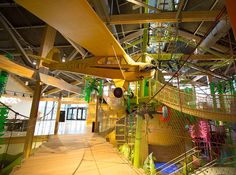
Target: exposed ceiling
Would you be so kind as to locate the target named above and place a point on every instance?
(161, 39)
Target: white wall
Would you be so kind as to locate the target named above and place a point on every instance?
(18, 103)
(14, 85)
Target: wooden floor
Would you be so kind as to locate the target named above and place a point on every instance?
(80, 154)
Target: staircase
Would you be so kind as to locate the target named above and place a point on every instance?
(125, 134)
(121, 132)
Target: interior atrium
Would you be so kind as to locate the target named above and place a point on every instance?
(121, 87)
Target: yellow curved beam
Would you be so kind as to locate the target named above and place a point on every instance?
(78, 21)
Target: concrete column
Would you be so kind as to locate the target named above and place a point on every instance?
(32, 120)
(57, 116)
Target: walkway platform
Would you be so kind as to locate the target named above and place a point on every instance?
(80, 154)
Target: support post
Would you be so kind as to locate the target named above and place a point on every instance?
(137, 144)
(58, 116)
(136, 91)
(96, 129)
(47, 44)
(150, 88)
(32, 120)
(142, 87)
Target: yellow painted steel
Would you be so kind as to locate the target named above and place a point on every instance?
(22, 71)
(77, 20)
(82, 25)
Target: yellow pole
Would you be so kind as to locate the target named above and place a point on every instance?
(136, 89)
(137, 144)
(58, 116)
(32, 120)
(96, 129)
(150, 88)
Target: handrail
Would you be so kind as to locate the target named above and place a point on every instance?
(216, 103)
(183, 166)
(205, 167)
(13, 110)
(184, 154)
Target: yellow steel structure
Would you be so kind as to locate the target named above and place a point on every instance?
(82, 25)
(22, 71)
(164, 17)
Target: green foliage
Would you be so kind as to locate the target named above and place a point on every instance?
(149, 165)
(3, 81)
(90, 85)
(126, 151)
(3, 115)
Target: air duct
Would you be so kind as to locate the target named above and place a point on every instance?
(220, 30)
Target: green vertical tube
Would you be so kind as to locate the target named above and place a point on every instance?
(136, 89)
(142, 85)
(128, 99)
(221, 97)
(137, 144)
(212, 88)
(231, 87)
(100, 88)
(145, 87)
(87, 91)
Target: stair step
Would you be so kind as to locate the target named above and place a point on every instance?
(121, 140)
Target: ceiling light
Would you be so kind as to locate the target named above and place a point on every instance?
(34, 62)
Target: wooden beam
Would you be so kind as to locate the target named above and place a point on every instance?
(61, 84)
(131, 36)
(32, 120)
(47, 44)
(21, 139)
(22, 71)
(142, 4)
(14, 68)
(164, 17)
(56, 90)
(66, 100)
(57, 116)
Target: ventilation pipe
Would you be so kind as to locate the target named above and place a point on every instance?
(220, 30)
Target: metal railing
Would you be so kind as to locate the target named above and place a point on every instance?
(217, 103)
(177, 160)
